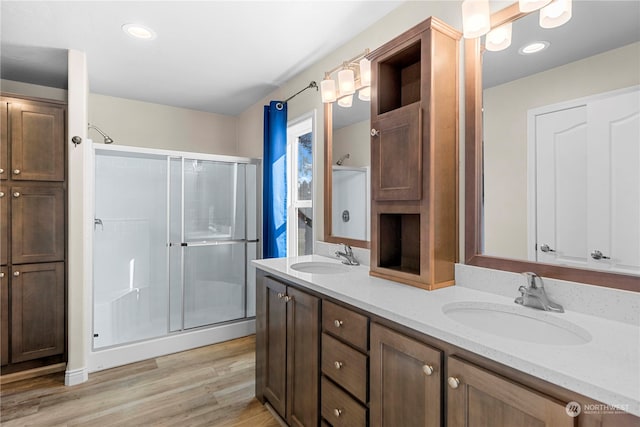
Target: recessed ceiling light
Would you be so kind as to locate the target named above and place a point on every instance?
(533, 47)
(139, 31)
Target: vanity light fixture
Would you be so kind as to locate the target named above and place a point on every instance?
(353, 75)
(139, 31)
(533, 47)
(476, 20)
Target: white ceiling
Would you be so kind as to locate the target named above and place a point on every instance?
(216, 56)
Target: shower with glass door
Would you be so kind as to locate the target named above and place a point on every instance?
(174, 236)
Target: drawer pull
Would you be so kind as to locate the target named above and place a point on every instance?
(337, 412)
(453, 382)
(280, 295)
(16, 273)
(337, 364)
(337, 323)
(16, 194)
(16, 171)
(428, 370)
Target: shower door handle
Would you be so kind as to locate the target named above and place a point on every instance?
(96, 222)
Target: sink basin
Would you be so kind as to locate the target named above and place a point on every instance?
(319, 267)
(518, 323)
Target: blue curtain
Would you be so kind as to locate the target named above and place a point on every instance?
(274, 213)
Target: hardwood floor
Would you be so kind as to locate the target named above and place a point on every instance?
(208, 386)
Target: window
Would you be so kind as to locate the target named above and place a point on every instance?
(300, 142)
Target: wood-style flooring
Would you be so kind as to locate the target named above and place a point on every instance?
(208, 386)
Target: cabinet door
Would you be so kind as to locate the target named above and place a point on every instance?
(37, 311)
(396, 155)
(37, 224)
(4, 315)
(37, 141)
(303, 364)
(404, 381)
(4, 225)
(478, 398)
(275, 344)
(4, 141)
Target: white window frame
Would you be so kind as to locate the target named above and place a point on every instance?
(299, 126)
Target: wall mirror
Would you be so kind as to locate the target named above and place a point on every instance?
(346, 174)
(531, 206)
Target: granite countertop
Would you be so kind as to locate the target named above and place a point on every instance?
(606, 368)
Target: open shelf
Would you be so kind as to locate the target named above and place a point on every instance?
(399, 79)
(399, 242)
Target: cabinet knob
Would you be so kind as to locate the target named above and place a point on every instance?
(375, 132)
(287, 298)
(16, 171)
(1, 194)
(1, 170)
(546, 248)
(280, 295)
(427, 369)
(16, 194)
(337, 412)
(16, 273)
(337, 364)
(453, 382)
(337, 323)
(1, 274)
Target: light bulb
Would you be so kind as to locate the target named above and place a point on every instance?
(531, 5)
(364, 94)
(499, 38)
(346, 101)
(346, 82)
(555, 14)
(328, 90)
(365, 72)
(476, 18)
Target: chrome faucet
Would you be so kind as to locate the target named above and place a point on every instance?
(533, 295)
(349, 257)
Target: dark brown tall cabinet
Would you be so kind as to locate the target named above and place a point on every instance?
(414, 152)
(32, 233)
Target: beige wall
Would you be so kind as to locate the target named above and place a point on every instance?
(354, 140)
(395, 23)
(143, 124)
(505, 135)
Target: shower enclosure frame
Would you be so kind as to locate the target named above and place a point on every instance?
(184, 338)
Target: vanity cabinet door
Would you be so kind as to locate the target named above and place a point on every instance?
(275, 344)
(479, 398)
(4, 140)
(396, 154)
(405, 380)
(4, 315)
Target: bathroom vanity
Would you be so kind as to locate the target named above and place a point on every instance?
(339, 347)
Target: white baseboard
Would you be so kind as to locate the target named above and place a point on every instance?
(75, 376)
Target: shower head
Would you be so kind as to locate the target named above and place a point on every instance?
(341, 159)
(107, 138)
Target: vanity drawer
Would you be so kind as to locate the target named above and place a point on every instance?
(346, 366)
(340, 409)
(345, 324)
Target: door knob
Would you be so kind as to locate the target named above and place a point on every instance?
(598, 255)
(546, 248)
(16, 171)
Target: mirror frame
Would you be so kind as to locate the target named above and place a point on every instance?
(473, 181)
(328, 185)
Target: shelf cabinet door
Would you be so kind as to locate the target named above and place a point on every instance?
(4, 226)
(37, 137)
(303, 361)
(275, 342)
(404, 380)
(4, 141)
(4, 315)
(37, 311)
(37, 224)
(396, 155)
(483, 399)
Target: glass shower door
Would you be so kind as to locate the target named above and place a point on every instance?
(214, 242)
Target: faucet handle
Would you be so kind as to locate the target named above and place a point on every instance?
(531, 280)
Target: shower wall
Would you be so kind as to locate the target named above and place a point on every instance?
(173, 236)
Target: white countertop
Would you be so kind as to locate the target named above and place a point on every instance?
(606, 369)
